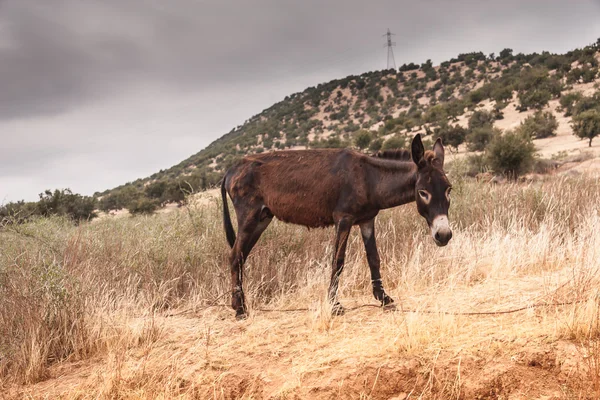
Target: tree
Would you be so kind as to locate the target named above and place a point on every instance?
(480, 119)
(376, 144)
(586, 103)
(155, 190)
(436, 114)
(362, 139)
(143, 206)
(539, 125)
(586, 125)
(478, 138)
(511, 153)
(66, 203)
(452, 136)
(395, 142)
(506, 54)
(568, 101)
(534, 98)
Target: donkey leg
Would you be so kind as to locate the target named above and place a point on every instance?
(344, 225)
(367, 230)
(251, 228)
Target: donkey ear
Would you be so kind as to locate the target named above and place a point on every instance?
(438, 150)
(418, 151)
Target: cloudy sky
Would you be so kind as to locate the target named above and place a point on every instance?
(96, 93)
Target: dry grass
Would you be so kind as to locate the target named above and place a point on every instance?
(117, 309)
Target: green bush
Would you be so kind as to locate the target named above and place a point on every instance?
(452, 136)
(568, 101)
(476, 164)
(66, 203)
(155, 190)
(395, 142)
(143, 206)
(376, 144)
(436, 114)
(586, 125)
(539, 125)
(479, 138)
(480, 119)
(362, 139)
(534, 98)
(511, 153)
(586, 103)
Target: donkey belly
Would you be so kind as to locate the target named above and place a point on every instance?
(302, 209)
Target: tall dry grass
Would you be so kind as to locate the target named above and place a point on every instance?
(69, 293)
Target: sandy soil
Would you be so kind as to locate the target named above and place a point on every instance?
(368, 353)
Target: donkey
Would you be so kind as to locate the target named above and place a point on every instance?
(341, 187)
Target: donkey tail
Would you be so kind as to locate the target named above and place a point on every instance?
(229, 232)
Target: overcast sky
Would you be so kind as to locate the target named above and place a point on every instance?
(96, 93)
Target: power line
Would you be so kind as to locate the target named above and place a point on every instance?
(390, 53)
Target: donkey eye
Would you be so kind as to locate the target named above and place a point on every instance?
(425, 195)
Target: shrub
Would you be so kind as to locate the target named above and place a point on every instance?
(143, 206)
(480, 119)
(536, 88)
(502, 93)
(477, 163)
(452, 136)
(586, 103)
(66, 203)
(511, 154)
(568, 101)
(534, 98)
(479, 138)
(436, 114)
(506, 54)
(586, 125)
(376, 144)
(395, 142)
(362, 139)
(155, 190)
(539, 125)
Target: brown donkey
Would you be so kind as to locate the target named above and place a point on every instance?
(341, 187)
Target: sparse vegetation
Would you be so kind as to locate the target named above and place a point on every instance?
(417, 98)
(362, 139)
(586, 125)
(478, 138)
(133, 293)
(511, 153)
(539, 125)
(51, 203)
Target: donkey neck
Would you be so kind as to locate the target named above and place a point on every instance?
(391, 183)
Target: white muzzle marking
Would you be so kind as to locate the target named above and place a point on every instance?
(440, 223)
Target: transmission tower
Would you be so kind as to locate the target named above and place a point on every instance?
(390, 54)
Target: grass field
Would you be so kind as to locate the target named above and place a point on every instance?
(137, 307)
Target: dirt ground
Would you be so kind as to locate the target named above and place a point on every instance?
(369, 353)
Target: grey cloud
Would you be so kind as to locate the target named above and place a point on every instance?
(73, 73)
(67, 51)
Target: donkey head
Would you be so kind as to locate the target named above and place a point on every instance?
(432, 189)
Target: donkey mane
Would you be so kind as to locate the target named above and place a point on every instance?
(395, 154)
(403, 155)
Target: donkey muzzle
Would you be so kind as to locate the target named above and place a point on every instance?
(440, 230)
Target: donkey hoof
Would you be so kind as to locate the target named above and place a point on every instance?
(338, 310)
(241, 315)
(387, 300)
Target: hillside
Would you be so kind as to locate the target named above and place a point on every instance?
(389, 106)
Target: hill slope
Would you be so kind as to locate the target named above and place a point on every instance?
(382, 105)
